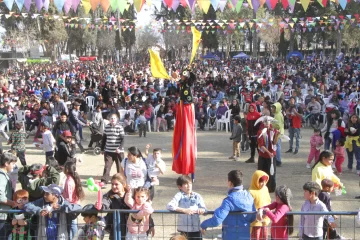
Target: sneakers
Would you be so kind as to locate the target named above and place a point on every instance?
(296, 151)
(308, 166)
(250, 160)
(289, 151)
(278, 164)
(232, 157)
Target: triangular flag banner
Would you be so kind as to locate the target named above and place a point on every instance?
(20, 4)
(285, 4)
(343, 3)
(234, 2)
(122, 5)
(262, 2)
(215, 3)
(195, 43)
(59, 4)
(205, 5)
(94, 4)
(67, 6)
(46, 5)
(114, 4)
(168, 3)
(321, 3)
(255, 4)
(38, 3)
(27, 4)
(239, 5)
(86, 5)
(157, 4)
(9, 4)
(305, 4)
(175, 4)
(222, 5)
(157, 67)
(191, 4)
(105, 4)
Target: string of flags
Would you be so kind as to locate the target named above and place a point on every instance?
(203, 5)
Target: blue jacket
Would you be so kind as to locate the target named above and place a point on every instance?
(234, 226)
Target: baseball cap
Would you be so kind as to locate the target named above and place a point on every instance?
(67, 133)
(53, 189)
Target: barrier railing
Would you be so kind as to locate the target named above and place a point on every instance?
(166, 224)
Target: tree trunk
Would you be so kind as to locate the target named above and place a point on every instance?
(292, 38)
(255, 40)
(338, 42)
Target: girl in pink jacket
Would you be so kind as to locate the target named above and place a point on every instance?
(316, 141)
(138, 223)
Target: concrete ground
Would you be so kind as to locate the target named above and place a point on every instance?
(212, 167)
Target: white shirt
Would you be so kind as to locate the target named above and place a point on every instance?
(136, 173)
(152, 170)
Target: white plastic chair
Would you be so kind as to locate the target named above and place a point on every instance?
(132, 113)
(225, 119)
(90, 101)
(20, 117)
(326, 100)
(122, 113)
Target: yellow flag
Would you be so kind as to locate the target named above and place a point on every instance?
(196, 42)
(157, 68)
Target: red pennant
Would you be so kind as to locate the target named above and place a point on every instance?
(324, 3)
(168, 3)
(285, 3)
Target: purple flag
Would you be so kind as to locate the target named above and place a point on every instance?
(255, 4)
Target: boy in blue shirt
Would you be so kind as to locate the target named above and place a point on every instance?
(191, 204)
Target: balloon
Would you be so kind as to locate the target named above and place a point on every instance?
(93, 186)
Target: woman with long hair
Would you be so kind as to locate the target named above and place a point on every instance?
(352, 144)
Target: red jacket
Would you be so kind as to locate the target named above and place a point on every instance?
(264, 141)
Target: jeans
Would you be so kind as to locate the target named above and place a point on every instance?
(49, 155)
(278, 151)
(21, 156)
(81, 132)
(73, 229)
(109, 159)
(356, 152)
(78, 141)
(5, 229)
(294, 132)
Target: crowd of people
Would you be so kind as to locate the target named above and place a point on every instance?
(261, 99)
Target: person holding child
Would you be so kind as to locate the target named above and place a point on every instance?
(138, 223)
(191, 204)
(234, 226)
(260, 193)
(282, 224)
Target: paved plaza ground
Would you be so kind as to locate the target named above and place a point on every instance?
(213, 164)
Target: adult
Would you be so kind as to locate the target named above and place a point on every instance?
(279, 117)
(33, 177)
(267, 152)
(234, 226)
(77, 121)
(63, 124)
(352, 144)
(112, 146)
(7, 163)
(66, 149)
(201, 114)
(59, 106)
(295, 114)
(334, 126)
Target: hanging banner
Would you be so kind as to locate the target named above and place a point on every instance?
(156, 66)
(195, 42)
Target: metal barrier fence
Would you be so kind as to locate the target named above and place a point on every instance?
(166, 225)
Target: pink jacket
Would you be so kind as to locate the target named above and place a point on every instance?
(339, 152)
(69, 190)
(316, 141)
(278, 219)
(138, 223)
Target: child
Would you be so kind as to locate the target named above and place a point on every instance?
(212, 116)
(142, 123)
(17, 141)
(156, 165)
(160, 118)
(311, 226)
(282, 225)
(138, 223)
(191, 204)
(115, 199)
(339, 153)
(316, 142)
(48, 141)
(236, 137)
(94, 225)
(53, 226)
(260, 193)
(324, 196)
(21, 224)
(244, 136)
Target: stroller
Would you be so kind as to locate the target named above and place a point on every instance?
(96, 137)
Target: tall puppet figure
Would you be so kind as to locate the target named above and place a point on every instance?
(184, 139)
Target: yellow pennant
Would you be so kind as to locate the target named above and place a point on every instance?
(196, 42)
(157, 68)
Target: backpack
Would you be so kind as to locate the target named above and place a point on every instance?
(148, 179)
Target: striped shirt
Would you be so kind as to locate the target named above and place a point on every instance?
(113, 138)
